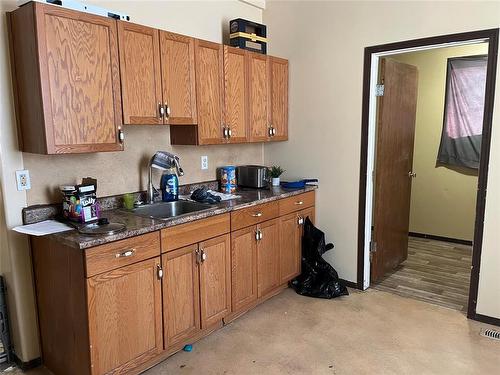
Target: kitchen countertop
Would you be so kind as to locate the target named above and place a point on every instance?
(137, 225)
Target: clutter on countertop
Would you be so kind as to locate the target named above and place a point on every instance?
(300, 184)
(228, 179)
(253, 176)
(204, 195)
(43, 228)
(80, 201)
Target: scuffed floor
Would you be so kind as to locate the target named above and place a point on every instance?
(370, 332)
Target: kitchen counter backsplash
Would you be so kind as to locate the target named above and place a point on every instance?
(137, 225)
(40, 212)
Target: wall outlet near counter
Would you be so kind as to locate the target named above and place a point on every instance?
(204, 162)
(23, 180)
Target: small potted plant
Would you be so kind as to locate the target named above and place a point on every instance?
(275, 172)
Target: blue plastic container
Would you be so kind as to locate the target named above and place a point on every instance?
(169, 185)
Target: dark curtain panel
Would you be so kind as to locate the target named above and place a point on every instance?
(463, 112)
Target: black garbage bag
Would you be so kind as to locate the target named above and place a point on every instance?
(318, 278)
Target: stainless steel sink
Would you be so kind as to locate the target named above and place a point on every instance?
(165, 210)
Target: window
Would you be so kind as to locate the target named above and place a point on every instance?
(463, 112)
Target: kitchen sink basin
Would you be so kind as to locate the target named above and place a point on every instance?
(165, 210)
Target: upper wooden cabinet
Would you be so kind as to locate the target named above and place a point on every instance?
(279, 98)
(235, 95)
(140, 74)
(178, 77)
(158, 77)
(259, 97)
(66, 77)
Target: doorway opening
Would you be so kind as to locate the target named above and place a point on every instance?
(449, 245)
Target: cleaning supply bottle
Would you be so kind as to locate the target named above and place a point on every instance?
(169, 185)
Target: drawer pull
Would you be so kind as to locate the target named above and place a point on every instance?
(299, 203)
(257, 214)
(125, 254)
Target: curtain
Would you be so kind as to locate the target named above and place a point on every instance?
(463, 113)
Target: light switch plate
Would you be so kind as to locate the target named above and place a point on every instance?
(23, 180)
(204, 162)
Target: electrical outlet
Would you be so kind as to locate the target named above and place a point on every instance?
(204, 162)
(23, 180)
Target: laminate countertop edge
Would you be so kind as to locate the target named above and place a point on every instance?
(138, 225)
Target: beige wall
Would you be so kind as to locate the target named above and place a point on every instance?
(325, 42)
(443, 200)
(117, 172)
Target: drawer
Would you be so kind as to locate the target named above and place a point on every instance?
(121, 253)
(296, 203)
(196, 231)
(253, 215)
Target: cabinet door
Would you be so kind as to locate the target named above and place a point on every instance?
(243, 268)
(279, 98)
(258, 96)
(140, 74)
(209, 91)
(124, 307)
(235, 94)
(80, 80)
(181, 304)
(268, 268)
(290, 246)
(178, 77)
(215, 279)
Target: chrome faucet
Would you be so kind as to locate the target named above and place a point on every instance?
(161, 160)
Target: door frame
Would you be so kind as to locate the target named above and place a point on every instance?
(368, 124)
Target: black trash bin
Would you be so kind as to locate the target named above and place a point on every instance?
(318, 278)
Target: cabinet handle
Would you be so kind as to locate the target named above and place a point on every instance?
(274, 131)
(224, 132)
(121, 135)
(299, 203)
(167, 111)
(125, 254)
(229, 132)
(161, 110)
(270, 130)
(258, 235)
(300, 220)
(159, 271)
(203, 256)
(257, 214)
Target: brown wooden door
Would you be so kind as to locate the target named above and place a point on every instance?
(394, 158)
(235, 94)
(178, 77)
(209, 91)
(140, 74)
(215, 279)
(181, 303)
(279, 98)
(124, 307)
(259, 97)
(80, 80)
(268, 253)
(243, 268)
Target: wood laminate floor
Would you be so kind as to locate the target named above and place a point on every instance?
(435, 271)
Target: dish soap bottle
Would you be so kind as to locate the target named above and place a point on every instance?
(169, 185)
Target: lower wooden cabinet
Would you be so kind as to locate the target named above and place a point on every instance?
(196, 288)
(291, 231)
(181, 303)
(215, 279)
(243, 267)
(268, 247)
(124, 314)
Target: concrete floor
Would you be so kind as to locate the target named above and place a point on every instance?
(370, 332)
